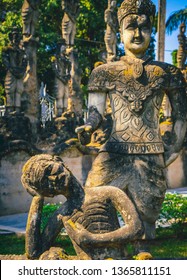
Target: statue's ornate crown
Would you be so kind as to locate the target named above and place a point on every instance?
(145, 7)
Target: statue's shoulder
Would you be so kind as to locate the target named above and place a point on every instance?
(166, 67)
(171, 73)
(103, 75)
(107, 68)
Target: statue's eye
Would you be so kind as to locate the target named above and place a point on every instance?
(131, 27)
(145, 28)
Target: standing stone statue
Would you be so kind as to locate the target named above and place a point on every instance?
(134, 157)
(62, 68)
(111, 30)
(71, 11)
(182, 50)
(75, 102)
(30, 16)
(14, 59)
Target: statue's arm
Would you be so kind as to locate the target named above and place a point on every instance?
(132, 229)
(96, 105)
(33, 237)
(178, 101)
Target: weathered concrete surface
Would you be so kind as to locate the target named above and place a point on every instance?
(13, 198)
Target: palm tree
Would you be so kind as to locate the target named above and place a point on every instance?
(175, 19)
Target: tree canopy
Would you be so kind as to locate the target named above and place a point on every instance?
(175, 19)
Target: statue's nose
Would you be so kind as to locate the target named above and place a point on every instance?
(137, 33)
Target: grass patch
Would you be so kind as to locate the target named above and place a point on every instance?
(170, 242)
(15, 245)
(165, 246)
(169, 249)
(11, 244)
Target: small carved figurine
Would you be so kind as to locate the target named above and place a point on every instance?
(62, 67)
(89, 216)
(71, 11)
(30, 15)
(111, 30)
(15, 61)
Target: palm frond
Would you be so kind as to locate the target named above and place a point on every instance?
(175, 19)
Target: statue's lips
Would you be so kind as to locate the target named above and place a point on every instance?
(137, 42)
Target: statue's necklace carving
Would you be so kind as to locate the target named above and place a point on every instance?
(136, 65)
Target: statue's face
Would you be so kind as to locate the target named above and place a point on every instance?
(56, 180)
(113, 4)
(136, 34)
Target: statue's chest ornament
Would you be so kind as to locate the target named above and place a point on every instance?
(137, 88)
(136, 97)
(135, 66)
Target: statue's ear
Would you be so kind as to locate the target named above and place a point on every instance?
(121, 34)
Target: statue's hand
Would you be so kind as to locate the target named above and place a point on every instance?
(33, 192)
(84, 134)
(174, 142)
(78, 233)
(170, 156)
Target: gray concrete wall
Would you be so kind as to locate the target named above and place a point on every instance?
(13, 198)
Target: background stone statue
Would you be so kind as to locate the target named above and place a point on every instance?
(75, 101)
(71, 11)
(62, 68)
(111, 30)
(30, 16)
(14, 59)
(89, 216)
(182, 50)
(134, 157)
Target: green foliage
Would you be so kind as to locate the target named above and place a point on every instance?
(169, 249)
(175, 19)
(2, 92)
(161, 116)
(12, 244)
(174, 212)
(47, 212)
(65, 242)
(174, 57)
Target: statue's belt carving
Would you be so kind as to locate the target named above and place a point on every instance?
(134, 148)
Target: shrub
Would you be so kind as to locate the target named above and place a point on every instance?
(174, 212)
